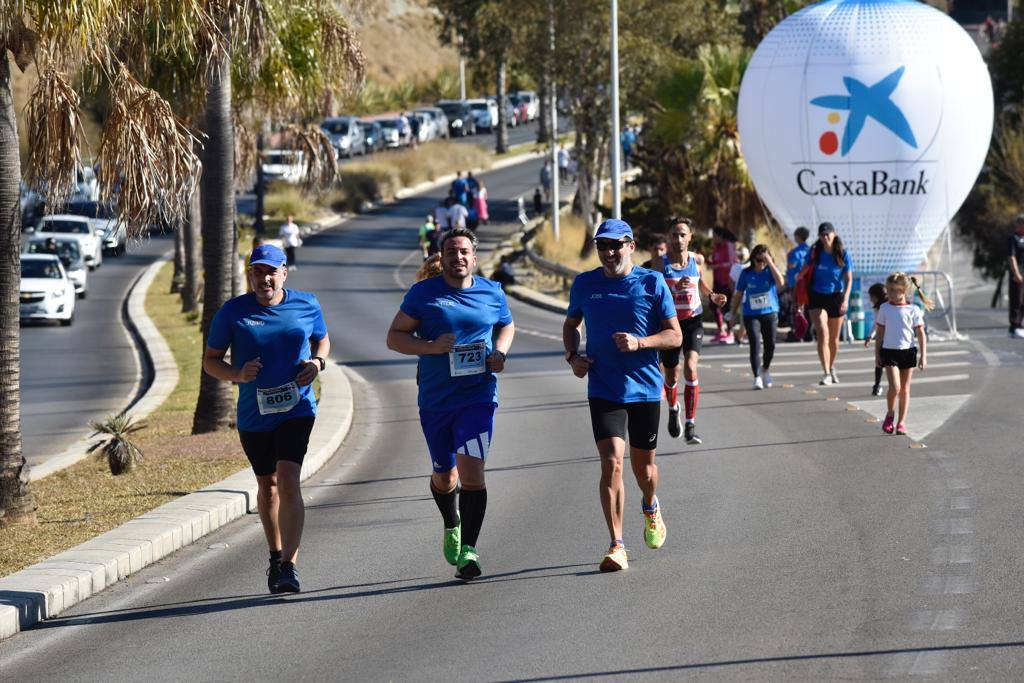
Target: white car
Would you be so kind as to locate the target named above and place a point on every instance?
(532, 103)
(46, 292)
(70, 255)
(486, 112)
(103, 223)
(90, 240)
(284, 164)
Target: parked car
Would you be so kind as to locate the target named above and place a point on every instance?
(70, 255)
(427, 129)
(103, 223)
(286, 165)
(372, 136)
(394, 132)
(511, 120)
(520, 107)
(461, 121)
(486, 112)
(346, 135)
(45, 293)
(77, 227)
(438, 120)
(532, 103)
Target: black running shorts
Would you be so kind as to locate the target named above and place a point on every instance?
(830, 303)
(693, 340)
(288, 441)
(904, 359)
(610, 419)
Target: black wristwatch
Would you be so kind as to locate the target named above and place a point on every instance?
(502, 354)
(569, 355)
(321, 362)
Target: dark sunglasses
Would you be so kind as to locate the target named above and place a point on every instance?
(605, 245)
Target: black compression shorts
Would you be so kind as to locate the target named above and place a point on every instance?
(693, 340)
(904, 359)
(830, 303)
(288, 441)
(610, 419)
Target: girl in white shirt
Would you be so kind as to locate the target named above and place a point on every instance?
(900, 345)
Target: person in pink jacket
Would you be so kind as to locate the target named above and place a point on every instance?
(723, 257)
(481, 204)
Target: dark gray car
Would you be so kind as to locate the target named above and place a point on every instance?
(346, 135)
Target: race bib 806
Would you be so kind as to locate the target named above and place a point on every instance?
(277, 399)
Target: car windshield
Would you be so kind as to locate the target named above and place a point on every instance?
(66, 249)
(451, 109)
(367, 127)
(280, 158)
(68, 227)
(478, 106)
(389, 124)
(88, 209)
(46, 270)
(339, 126)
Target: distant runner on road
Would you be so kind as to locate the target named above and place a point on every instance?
(461, 328)
(629, 316)
(279, 343)
(683, 270)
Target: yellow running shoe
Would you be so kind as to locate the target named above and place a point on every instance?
(616, 559)
(654, 529)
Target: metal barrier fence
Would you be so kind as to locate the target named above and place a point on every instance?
(938, 286)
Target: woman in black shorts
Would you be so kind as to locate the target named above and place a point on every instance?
(829, 296)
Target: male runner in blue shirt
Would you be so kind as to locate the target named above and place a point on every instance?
(460, 327)
(629, 315)
(278, 343)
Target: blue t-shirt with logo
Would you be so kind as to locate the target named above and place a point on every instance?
(795, 262)
(279, 336)
(828, 276)
(762, 295)
(471, 314)
(636, 303)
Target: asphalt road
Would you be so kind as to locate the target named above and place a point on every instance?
(71, 375)
(803, 543)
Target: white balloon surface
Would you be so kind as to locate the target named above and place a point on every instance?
(874, 115)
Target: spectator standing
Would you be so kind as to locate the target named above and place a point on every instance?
(563, 163)
(460, 188)
(457, 215)
(1015, 259)
(441, 214)
(472, 187)
(291, 239)
(428, 237)
(482, 213)
(742, 263)
(545, 180)
(628, 139)
(723, 257)
(414, 126)
(796, 259)
(538, 202)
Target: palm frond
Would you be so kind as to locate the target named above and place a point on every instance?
(318, 155)
(246, 154)
(147, 164)
(55, 136)
(341, 53)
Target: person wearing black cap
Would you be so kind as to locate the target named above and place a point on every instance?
(279, 343)
(630, 316)
(1015, 259)
(829, 296)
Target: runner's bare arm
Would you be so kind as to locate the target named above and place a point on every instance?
(402, 339)
(670, 337)
(922, 344)
(214, 365)
(717, 299)
(318, 348)
(780, 280)
(571, 341)
(502, 342)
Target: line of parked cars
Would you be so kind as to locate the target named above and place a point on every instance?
(59, 250)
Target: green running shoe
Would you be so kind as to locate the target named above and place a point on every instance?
(654, 529)
(469, 564)
(452, 543)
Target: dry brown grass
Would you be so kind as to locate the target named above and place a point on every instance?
(84, 500)
(567, 249)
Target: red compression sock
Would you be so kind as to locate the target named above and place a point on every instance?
(672, 395)
(690, 395)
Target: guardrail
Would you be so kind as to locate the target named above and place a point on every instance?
(939, 287)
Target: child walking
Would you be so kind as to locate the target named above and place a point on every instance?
(876, 293)
(900, 345)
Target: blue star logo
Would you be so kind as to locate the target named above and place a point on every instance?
(869, 101)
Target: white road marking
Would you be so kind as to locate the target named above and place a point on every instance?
(841, 370)
(402, 264)
(845, 359)
(954, 554)
(953, 527)
(917, 380)
(962, 503)
(927, 413)
(948, 585)
(808, 350)
(938, 620)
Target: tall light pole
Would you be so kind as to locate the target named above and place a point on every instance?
(616, 146)
(462, 68)
(554, 126)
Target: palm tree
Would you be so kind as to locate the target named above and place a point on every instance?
(146, 157)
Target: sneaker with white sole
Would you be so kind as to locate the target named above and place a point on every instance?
(1017, 333)
(834, 376)
(825, 380)
(758, 382)
(766, 377)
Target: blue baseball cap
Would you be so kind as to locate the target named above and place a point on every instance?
(614, 229)
(267, 254)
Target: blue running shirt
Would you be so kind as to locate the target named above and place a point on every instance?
(795, 262)
(828, 276)
(279, 335)
(636, 303)
(471, 314)
(762, 296)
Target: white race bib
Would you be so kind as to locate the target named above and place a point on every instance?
(468, 359)
(760, 302)
(277, 399)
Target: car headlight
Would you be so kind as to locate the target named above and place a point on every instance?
(58, 293)
(457, 123)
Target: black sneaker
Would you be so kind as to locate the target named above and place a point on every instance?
(288, 582)
(675, 427)
(273, 575)
(691, 434)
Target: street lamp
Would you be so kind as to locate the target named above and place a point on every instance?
(616, 146)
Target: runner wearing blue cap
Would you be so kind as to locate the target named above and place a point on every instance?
(278, 341)
(629, 315)
(460, 327)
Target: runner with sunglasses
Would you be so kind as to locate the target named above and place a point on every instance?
(758, 289)
(682, 270)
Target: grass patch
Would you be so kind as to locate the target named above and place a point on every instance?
(541, 147)
(283, 200)
(566, 250)
(85, 500)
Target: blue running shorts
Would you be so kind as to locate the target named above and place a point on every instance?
(465, 430)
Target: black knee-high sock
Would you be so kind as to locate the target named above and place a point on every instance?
(472, 505)
(878, 376)
(446, 504)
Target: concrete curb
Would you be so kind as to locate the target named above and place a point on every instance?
(48, 588)
(158, 373)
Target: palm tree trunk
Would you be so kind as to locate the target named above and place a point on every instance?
(213, 408)
(190, 240)
(501, 141)
(16, 503)
(543, 115)
(179, 262)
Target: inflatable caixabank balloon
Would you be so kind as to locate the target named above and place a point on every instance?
(874, 115)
